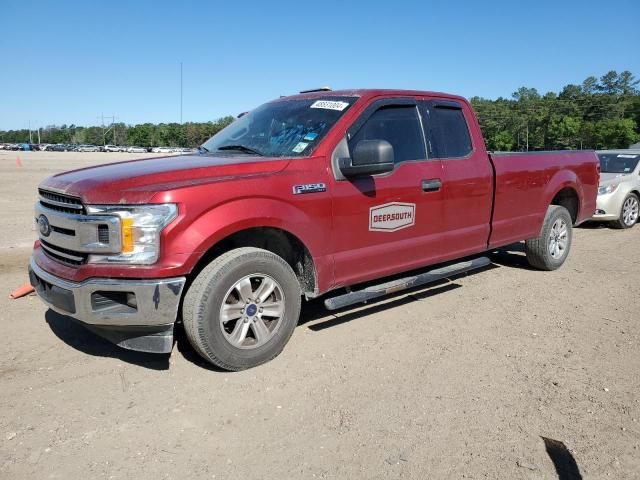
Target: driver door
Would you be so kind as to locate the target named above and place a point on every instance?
(387, 223)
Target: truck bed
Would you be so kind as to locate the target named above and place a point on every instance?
(526, 183)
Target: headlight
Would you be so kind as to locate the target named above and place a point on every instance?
(141, 226)
(607, 189)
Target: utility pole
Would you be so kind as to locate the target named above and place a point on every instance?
(38, 135)
(180, 93)
(105, 132)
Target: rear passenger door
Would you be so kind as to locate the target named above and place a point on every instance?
(467, 175)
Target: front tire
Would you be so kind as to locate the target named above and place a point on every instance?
(242, 308)
(550, 250)
(628, 212)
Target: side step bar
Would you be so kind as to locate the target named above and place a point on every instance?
(393, 286)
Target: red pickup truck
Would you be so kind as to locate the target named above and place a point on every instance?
(304, 195)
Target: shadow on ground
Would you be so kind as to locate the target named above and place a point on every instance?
(77, 336)
(564, 463)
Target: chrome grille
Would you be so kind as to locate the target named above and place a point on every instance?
(60, 202)
(62, 254)
(69, 234)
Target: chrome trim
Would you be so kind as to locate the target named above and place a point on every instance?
(157, 299)
(85, 227)
(62, 254)
(75, 206)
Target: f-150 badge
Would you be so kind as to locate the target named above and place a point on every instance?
(309, 188)
(391, 217)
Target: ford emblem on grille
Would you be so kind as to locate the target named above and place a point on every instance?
(43, 226)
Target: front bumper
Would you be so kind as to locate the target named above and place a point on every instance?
(609, 206)
(135, 314)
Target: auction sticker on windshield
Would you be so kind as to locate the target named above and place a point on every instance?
(300, 147)
(330, 105)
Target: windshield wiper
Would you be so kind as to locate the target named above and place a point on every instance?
(202, 148)
(242, 148)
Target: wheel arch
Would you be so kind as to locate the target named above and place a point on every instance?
(568, 198)
(273, 239)
(564, 189)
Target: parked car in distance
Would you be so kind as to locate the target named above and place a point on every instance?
(619, 192)
(87, 148)
(112, 148)
(136, 150)
(164, 150)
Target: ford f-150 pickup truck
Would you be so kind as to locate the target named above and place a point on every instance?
(304, 195)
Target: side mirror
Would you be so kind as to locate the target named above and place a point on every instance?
(370, 157)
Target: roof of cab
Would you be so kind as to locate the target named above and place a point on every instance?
(371, 93)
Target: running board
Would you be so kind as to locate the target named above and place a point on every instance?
(393, 286)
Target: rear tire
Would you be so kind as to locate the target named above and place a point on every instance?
(628, 213)
(242, 308)
(550, 250)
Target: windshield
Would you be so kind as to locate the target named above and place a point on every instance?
(618, 162)
(285, 128)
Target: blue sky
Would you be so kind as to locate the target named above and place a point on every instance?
(68, 62)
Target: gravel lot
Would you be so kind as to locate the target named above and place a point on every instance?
(460, 380)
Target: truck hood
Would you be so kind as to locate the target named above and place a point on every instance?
(137, 181)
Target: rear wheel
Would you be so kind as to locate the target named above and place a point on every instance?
(550, 249)
(242, 308)
(629, 212)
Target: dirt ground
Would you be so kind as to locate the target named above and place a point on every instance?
(461, 380)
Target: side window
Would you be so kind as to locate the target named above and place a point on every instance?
(449, 133)
(398, 125)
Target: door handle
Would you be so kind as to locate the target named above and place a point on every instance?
(431, 185)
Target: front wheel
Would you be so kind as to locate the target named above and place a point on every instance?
(550, 249)
(629, 212)
(242, 308)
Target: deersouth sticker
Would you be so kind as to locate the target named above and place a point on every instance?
(392, 217)
(329, 105)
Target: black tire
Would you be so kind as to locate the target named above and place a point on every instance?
(205, 297)
(538, 249)
(620, 223)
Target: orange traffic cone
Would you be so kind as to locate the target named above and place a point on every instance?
(18, 162)
(21, 291)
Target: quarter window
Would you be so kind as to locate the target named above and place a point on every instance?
(450, 133)
(398, 125)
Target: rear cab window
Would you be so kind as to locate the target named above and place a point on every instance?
(446, 129)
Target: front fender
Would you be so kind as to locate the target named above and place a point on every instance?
(311, 226)
(234, 216)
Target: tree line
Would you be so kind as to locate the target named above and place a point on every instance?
(597, 114)
(190, 134)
